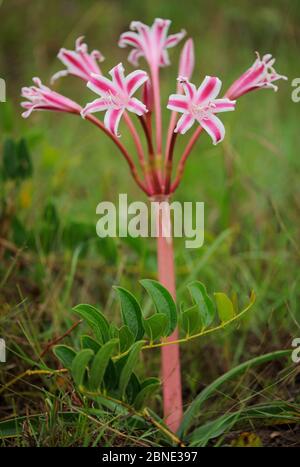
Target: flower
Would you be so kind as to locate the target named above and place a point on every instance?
(187, 59)
(79, 62)
(116, 96)
(150, 42)
(201, 105)
(260, 75)
(40, 97)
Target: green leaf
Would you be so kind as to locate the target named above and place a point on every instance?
(156, 326)
(194, 408)
(133, 388)
(224, 306)
(191, 321)
(88, 342)
(129, 366)
(277, 410)
(10, 159)
(163, 302)
(65, 354)
(95, 320)
(79, 365)
(24, 160)
(146, 392)
(203, 302)
(131, 312)
(126, 338)
(100, 363)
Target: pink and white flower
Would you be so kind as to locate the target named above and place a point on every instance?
(201, 105)
(79, 62)
(116, 96)
(260, 75)
(150, 42)
(40, 97)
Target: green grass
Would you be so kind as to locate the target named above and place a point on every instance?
(250, 186)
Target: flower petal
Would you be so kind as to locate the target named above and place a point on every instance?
(189, 88)
(98, 105)
(223, 105)
(112, 120)
(134, 56)
(174, 39)
(101, 85)
(214, 128)
(134, 80)
(185, 122)
(208, 90)
(117, 74)
(136, 106)
(178, 103)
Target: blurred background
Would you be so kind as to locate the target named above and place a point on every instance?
(51, 258)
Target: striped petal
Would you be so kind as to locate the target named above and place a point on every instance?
(112, 119)
(117, 74)
(130, 38)
(178, 103)
(223, 105)
(98, 105)
(134, 56)
(208, 90)
(135, 80)
(185, 122)
(189, 88)
(174, 39)
(101, 85)
(214, 128)
(136, 106)
(159, 31)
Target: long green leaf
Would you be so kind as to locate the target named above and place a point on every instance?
(65, 354)
(163, 302)
(129, 366)
(100, 363)
(131, 312)
(79, 365)
(212, 429)
(95, 319)
(193, 409)
(144, 394)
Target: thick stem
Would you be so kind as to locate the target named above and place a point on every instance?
(171, 377)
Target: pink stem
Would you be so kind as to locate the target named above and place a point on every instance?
(139, 148)
(171, 377)
(158, 121)
(185, 155)
(169, 163)
(156, 186)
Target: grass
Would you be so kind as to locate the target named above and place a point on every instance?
(250, 188)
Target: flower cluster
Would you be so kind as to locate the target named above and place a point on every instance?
(117, 97)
